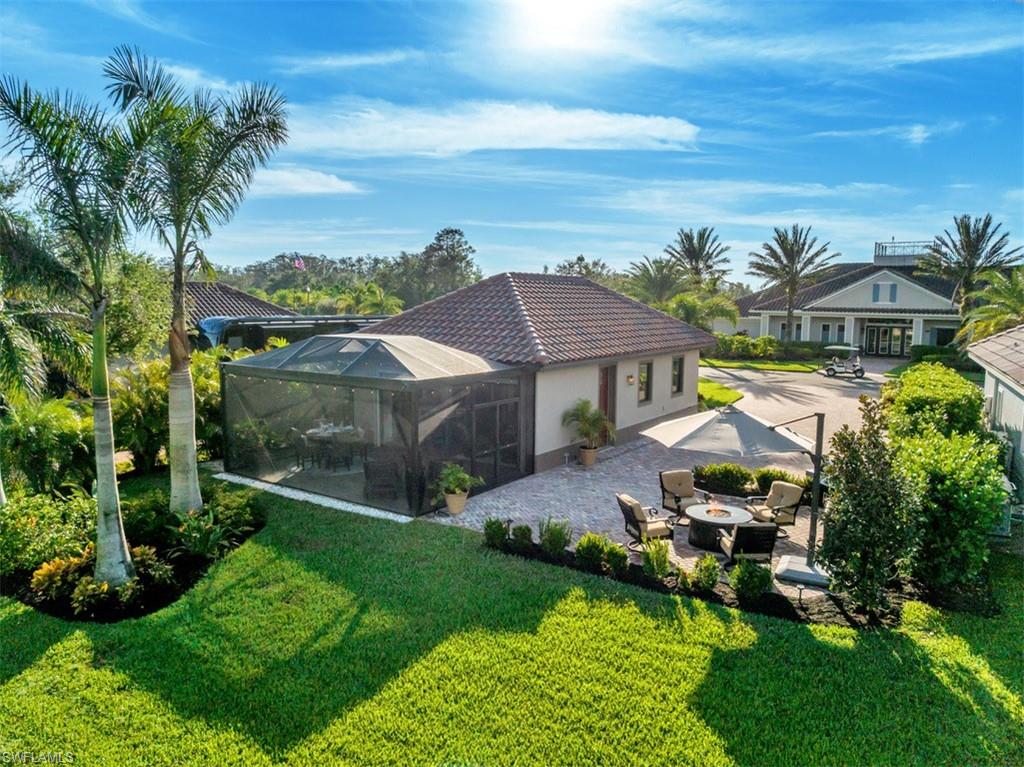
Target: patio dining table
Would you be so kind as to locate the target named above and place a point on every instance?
(706, 520)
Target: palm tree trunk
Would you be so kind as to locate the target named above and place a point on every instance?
(181, 409)
(789, 322)
(113, 559)
(3, 494)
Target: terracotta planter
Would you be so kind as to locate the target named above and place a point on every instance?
(455, 502)
(587, 456)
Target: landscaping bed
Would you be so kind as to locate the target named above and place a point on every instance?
(786, 366)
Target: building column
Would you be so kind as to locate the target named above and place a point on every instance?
(850, 338)
(765, 326)
(917, 328)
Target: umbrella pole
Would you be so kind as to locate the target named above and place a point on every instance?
(816, 459)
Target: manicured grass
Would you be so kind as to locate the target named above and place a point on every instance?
(971, 375)
(715, 394)
(788, 366)
(334, 639)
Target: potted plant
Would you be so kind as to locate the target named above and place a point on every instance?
(591, 426)
(453, 485)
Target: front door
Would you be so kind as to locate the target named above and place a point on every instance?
(871, 343)
(606, 394)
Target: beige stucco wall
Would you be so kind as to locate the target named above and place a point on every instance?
(908, 295)
(557, 390)
(750, 324)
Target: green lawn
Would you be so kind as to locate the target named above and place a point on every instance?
(971, 375)
(715, 394)
(334, 639)
(788, 366)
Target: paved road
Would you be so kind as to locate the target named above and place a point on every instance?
(777, 396)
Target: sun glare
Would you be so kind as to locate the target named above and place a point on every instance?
(569, 26)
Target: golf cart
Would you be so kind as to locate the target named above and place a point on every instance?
(845, 361)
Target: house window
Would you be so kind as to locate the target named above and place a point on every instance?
(883, 293)
(796, 335)
(678, 374)
(840, 333)
(826, 332)
(643, 382)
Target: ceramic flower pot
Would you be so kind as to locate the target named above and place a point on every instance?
(587, 456)
(455, 502)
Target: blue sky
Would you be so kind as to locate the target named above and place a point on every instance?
(546, 129)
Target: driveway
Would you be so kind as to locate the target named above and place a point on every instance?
(777, 396)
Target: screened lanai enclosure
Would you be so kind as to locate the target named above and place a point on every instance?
(371, 419)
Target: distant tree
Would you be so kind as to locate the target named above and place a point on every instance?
(792, 260)
(140, 307)
(701, 309)
(446, 264)
(700, 256)
(735, 290)
(654, 281)
(975, 246)
(593, 269)
(998, 305)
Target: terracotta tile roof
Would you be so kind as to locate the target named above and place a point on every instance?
(1003, 353)
(215, 299)
(543, 319)
(835, 278)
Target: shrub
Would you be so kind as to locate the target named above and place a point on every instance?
(56, 580)
(89, 596)
(929, 397)
(655, 558)
(147, 518)
(960, 482)
(869, 519)
(617, 558)
(496, 533)
(235, 510)
(47, 445)
(197, 534)
(766, 348)
(590, 551)
(522, 539)
(764, 477)
(706, 573)
(37, 528)
(728, 478)
(919, 351)
(554, 536)
(150, 570)
(683, 579)
(749, 580)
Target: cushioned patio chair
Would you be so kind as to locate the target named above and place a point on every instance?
(678, 492)
(642, 521)
(754, 541)
(779, 506)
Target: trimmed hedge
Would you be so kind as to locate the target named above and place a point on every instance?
(727, 478)
(931, 396)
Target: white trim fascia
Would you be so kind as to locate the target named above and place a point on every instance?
(875, 276)
(862, 314)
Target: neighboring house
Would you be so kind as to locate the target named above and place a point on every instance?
(1002, 357)
(581, 339)
(883, 306)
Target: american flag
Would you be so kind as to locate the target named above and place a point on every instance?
(300, 264)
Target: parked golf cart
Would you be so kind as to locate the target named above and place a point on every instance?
(845, 361)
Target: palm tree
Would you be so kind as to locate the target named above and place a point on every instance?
(700, 256)
(84, 168)
(32, 334)
(976, 247)
(702, 309)
(198, 174)
(654, 281)
(999, 305)
(792, 260)
(373, 299)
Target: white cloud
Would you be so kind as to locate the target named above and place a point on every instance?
(914, 134)
(193, 77)
(385, 129)
(132, 11)
(291, 181)
(332, 62)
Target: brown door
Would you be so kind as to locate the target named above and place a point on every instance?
(606, 394)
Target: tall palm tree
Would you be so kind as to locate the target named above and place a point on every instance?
(700, 256)
(84, 167)
(656, 280)
(791, 260)
(199, 171)
(33, 334)
(960, 257)
(998, 306)
(702, 309)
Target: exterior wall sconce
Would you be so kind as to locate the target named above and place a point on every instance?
(630, 379)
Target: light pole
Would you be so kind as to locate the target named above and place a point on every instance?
(790, 568)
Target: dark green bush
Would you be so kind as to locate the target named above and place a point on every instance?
(617, 558)
(764, 477)
(743, 347)
(959, 479)
(727, 478)
(655, 558)
(750, 580)
(554, 536)
(235, 509)
(495, 533)
(919, 351)
(706, 573)
(146, 519)
(47, 445)
(197, 534)
(37, 528)
(930, 397)
(590, 551)
(522, 539)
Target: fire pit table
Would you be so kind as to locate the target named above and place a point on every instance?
(706, 520)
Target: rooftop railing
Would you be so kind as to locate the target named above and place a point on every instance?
(904, 248)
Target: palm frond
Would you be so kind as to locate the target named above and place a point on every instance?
(22, 368)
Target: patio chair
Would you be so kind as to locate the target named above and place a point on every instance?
(642, 521)
(779, 506)
(678, 492)
(301, 448)
(382, 474)
(754, 541)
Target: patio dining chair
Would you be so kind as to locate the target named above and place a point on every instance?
(642, 521)
(301, 448)
(780, 506)
(754, 541)
(678, 492)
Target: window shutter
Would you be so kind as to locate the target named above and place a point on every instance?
(874, 293)
(892, 293)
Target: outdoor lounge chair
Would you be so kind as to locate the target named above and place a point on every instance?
(779, 506)
(642, 521)
(754, 541)
(678, 492)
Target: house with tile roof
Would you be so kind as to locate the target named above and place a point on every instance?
(1001, 356)
(884, 305)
